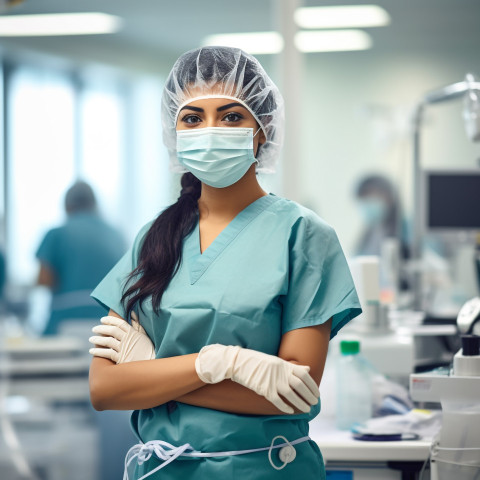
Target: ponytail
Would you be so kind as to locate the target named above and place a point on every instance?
(161, 252)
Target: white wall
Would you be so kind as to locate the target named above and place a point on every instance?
(342, 139)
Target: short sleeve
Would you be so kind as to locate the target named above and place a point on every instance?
(320, 284)
(47, 251)
(109, 291)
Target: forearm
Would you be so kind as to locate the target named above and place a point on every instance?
(139, 385)
(231, 397)
(307, 346)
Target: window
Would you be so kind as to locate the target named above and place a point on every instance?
(102, 147)
(104, 130)
(40, 116)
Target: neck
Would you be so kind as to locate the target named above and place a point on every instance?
(228, 202)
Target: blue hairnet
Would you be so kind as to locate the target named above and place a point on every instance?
(229, 73)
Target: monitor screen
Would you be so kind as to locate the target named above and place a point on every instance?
(453, 200)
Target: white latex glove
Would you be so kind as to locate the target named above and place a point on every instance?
(265, 374)
(121, 342)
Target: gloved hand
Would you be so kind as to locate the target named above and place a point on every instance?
(121, 342)
(265, 374)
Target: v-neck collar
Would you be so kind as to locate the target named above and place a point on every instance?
(199, 262)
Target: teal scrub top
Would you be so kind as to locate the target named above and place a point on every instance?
(80, 253)
(276, 267)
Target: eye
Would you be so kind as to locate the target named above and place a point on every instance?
(232, 117)
(191, 119)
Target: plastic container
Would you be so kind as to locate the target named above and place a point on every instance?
(354, 391)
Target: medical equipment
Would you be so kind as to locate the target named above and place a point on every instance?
(471, 110)
(366, 460)
(390, 351)
(451, 218)
(457, 90)
(412, 425)
(455, 452)
(469, 315)
(451, 199)
(366, 275)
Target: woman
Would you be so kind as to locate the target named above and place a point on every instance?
(238, 291)
(380, 208)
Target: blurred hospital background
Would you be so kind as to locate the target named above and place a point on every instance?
(382, 129)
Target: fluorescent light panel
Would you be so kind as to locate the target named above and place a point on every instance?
(333, 41)
(256, 43)
(348, 16)
(306, 41)
(58, 24)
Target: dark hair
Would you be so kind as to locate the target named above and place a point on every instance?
(161, 251)
(80, 198)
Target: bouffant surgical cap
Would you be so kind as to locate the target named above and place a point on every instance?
(224, 72)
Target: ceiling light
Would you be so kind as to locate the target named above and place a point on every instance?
(255, 43)
(333, 41)
(58, 24)
(347, 16)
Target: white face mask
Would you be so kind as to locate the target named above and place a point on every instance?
(217, 156)
(373, 210)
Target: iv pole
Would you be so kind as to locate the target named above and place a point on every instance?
(450, 92)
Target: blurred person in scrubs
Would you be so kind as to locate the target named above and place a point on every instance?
(75, 257)
(380, 209)
(221, 312)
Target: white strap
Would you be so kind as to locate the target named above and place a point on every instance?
(143, 453)
(168, 453)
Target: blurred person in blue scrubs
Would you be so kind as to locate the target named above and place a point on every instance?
(381, 212)
(220, 315)
(75, 257)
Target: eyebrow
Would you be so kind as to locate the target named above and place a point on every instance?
(226, 107)
(195, 109)
(219, 109)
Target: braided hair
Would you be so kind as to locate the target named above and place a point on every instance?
(161, 251)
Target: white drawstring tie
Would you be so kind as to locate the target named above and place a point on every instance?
(144, 451)
(168, 453)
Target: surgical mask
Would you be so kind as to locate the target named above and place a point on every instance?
(217, 156)
(373, 210)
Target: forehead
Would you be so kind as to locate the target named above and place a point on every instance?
(212, 101)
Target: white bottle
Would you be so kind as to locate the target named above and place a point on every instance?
(354, 391)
